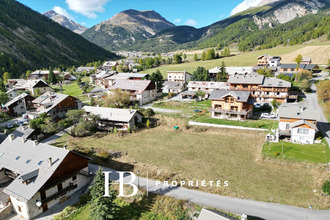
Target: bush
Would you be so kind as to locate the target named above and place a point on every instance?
(277, 154)
(148, 112)
(326, 187)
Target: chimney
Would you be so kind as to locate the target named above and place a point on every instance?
(35, 143)
(11, 137)
(50, 162)
(24, 140)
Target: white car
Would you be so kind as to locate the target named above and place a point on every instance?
(267, 115)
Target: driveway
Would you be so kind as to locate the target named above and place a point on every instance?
(163, 110)
(311, 102)
(13, 121)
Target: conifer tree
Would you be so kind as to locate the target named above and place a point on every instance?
(102, 207)
(195, 57)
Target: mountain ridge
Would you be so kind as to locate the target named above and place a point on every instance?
(66, 22)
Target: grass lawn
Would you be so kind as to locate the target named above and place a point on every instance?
(258, 123)
(212, 154)
(318, 153)
(71, 89)
(244, 59)
(187, 107)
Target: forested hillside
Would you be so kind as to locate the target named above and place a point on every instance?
(29, 40)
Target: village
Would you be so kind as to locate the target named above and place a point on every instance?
(40, 117)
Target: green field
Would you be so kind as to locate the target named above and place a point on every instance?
(201, 153)
(244, 59)
(258, 123)
(72, 89)
(318, 153)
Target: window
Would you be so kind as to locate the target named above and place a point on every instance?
(28, 161)
(302, 131)
(287, 126)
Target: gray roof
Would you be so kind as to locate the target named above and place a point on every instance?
(296, 112)
(302, 122)
(23, 131)
(242, 96)
(173, 85)
(275, 82)
(25, 159)
(301, 66)
(136, 85)
(127, 76)
(239, 70)
(48, 101)
(17, 98)
(33, 82)
(249, 79)
(209, 215)
(112, 114)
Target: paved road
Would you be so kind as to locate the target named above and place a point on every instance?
(163, 110)
(312, 102)
(13, 121)
(225, 126)
(239, 206)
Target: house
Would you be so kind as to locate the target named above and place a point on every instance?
(109, 64)
(178, 76)
(275, 61)
(18, 105)
(36, 87)
(13, 92)
(232, 105)
(231, 71)
(68, 77)
(39, 176)
(55, 105)
(291, 68)
(297, 123)
(263, 89)
(41, 74)
(28, 133)
(16, 82)
(86, 69)
(204, 86)
(115, 117)
(141, 91)
(173, 87)
(264, 60)
(109, 81)
(306, 60)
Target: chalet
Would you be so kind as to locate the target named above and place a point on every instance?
(178, 76)
(115, 117)
(109, 81)
(109, 64)
(41, 74)
(36, 87)
(19, 105)
(232, 105)
(141, 91)
(173, 87)
(231, 71)
(264, 60)
(275, 62)
(306, 60)
(263, 89)
(291, 68)
(13, 92)
(206, 87)
(38, 176)
(68, 76)
(16, 82)
(54, 105)
(297, 123)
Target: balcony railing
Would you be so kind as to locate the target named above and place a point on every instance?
(285, 132)
(244, 112)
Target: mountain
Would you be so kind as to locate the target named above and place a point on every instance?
(66, 22)
(29, 40)
(269, 24)
(126, 28)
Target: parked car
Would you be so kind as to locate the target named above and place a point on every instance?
(10, 125)
(268, 116)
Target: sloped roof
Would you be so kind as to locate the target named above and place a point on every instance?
(239, 70)
(120, 76)
(112, 114)
(249, 79)
(275, 82)
(17, 98)
(301, 66)
(303, 122)
(135, 85)
(173, 85)
(32, 83)
(209, 215)
(49, 100)
(209, 85)
(242, 96)
(25, 159)
(296, 111)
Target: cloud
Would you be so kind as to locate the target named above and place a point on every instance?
(63, 12)
(221, 16)
(191, 22)
(246, 4)
(88, 8)
(177, 21)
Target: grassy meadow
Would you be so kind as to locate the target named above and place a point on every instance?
(197, 153)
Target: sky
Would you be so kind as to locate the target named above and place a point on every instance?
(196, 13)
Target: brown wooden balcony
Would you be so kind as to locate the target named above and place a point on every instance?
(219, 110)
